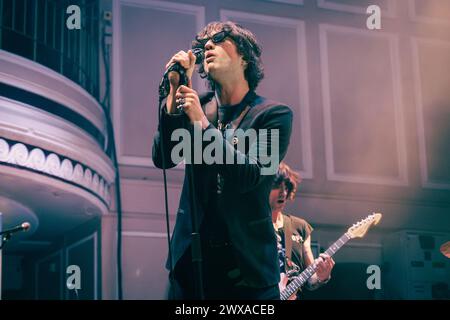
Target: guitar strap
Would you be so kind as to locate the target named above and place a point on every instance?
(288, 237)
(211, 112)
(236, 122)
(291, 265)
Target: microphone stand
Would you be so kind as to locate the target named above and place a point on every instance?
(4, 239)
(196, 251)
(5, 236)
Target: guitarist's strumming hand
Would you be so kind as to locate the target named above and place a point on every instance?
(324, 266)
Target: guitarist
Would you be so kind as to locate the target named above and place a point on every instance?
(294, 234)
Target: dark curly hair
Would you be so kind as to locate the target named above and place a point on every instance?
(247, 47)
(289, 177)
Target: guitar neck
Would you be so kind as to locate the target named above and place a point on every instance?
(301, 279)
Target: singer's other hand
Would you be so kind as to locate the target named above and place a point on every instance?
(187, 99)
(187, 61)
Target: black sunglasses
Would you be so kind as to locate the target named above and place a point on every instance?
(216, 38)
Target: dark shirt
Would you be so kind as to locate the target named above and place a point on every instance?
(227, 113)
(213, 225)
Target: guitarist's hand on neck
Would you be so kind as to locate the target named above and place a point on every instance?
(324, 266)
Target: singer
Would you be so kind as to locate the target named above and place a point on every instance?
(238, 244)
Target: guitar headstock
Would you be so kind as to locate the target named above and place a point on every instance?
(359, 229)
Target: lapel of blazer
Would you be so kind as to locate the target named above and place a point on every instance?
(211, 111)
(288, 236)
(249, 113)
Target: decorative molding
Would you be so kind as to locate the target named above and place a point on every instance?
(53, 110)
(136, 161)
(36, 273)
(42, 161)
(94, 237)
(144, 234)
(74, 96)
(417, 18)
(303, 92)
(294, 2)
(390, 12)
(23, 122)
(150, 183)
(423, 162)
(402, 179)
(197, 11)
(146, 162)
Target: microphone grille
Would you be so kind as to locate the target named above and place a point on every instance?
(26, 226)
(199, 55)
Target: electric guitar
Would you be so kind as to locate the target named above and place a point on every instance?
(358, 230)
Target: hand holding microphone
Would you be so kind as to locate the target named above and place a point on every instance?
(178, 72)
(187, 61)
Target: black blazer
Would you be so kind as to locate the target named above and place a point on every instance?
(244, 201)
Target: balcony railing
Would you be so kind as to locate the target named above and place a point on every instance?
(36, 29)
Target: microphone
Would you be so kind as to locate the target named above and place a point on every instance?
(164, 86)
(23, 227)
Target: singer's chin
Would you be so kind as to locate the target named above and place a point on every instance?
(211, 70)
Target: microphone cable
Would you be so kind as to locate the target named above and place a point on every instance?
(164, 88)
(110, 146)
(166, 202)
